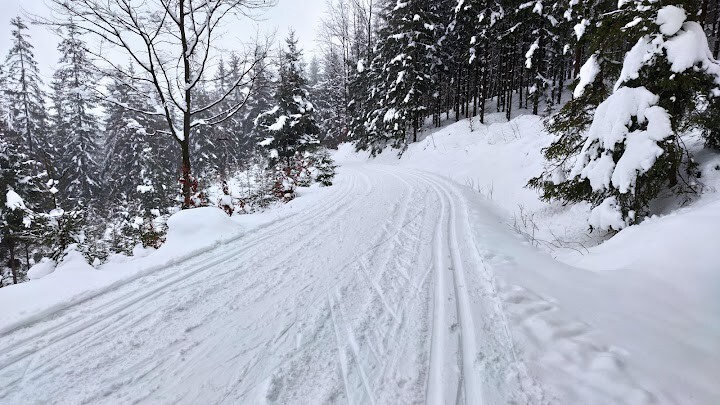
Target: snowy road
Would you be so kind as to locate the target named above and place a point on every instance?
(382, 294)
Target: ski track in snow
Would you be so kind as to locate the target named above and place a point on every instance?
(380, 295)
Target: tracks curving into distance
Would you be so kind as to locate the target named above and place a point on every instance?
(376, 295)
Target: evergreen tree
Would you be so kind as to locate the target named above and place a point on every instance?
(206, 145)
(329, 93)
(228, 135)
(403, 71)
(289, 127)
(260, 100)
(133, 151)
(22, 87)
(76, 126)
(23, 194)
(633, 148)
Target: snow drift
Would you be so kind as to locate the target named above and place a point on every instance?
(190, 232)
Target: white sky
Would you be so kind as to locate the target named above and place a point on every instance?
(301, 15)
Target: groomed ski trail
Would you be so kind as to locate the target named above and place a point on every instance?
(380, 295)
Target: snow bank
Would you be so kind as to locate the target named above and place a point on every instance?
(190, 233)
(198, 228)
(42, 269)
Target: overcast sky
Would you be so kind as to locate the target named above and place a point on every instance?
(302, 15)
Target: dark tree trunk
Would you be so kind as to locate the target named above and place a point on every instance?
(483, 92)
(577, 64)
(458, 90)
(13, 264)
(27, 255)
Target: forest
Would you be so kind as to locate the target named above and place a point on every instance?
(147, 115)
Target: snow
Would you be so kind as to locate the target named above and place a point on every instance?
(529, 54)
(42, 269)
(580, 28)
(685, 47)
(14, 201)
(279, 124)
(643, 302)
(607, 215)
(588, 73)
(419, 279)
(689, 48)
(670, 19)
(190, 232)
(610, 127)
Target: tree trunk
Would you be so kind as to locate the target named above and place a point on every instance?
(187, 115)
(415, 129)
(457, 94)
(13, 265)
(186, 172)
(27, 255)
(483, 92)
(717, 30)
(577, 64)
(703, 12)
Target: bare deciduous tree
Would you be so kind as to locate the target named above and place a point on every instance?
(173, 42)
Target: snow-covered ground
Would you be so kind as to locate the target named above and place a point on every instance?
(400, 284)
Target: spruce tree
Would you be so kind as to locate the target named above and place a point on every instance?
(289, 127)
(77, 130)
(133, 150)
(402, 68)
(22, 87)
(329, 93)
(23, 196)
(633, 148)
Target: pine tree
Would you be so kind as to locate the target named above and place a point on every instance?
(261, 99)
(24, 96)
(360, 105)
(206, 146)
(467, 46)
(23, 194)
(133, 150)
(329, 93)
(403, 71)
(228, 135)
(289, 127)
(76, 126)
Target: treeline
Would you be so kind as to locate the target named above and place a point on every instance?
(417, 60)
(596, 68)
(89, 161)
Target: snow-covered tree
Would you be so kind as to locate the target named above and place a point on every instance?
(402, 70)
(289, 127)
(260, 100)
(330, 95)
(633, 148)
(23, 195)
(133, 164)
(22, 87)
(76, 125)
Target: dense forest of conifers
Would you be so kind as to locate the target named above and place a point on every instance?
(97, 158)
